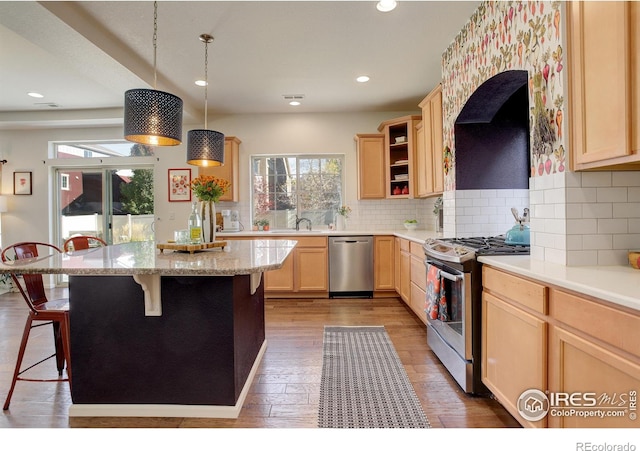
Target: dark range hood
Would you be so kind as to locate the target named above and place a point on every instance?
(492, 135)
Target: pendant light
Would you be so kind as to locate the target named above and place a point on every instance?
(205, 147)
(153, 117)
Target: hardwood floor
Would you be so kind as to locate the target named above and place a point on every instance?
(286, 389)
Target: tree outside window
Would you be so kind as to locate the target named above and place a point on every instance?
(308, 186)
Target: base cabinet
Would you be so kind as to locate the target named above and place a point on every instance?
(418, 281)
(594, 348)
(581, 352)
(608, 382)
(304, 274)
(383, 260)
(405, 272)
(514, 356)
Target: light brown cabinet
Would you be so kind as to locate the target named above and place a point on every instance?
(228, 171)
(418, 280)
(396, 264)
(383, 259)
(604, 84)
(429, 169)
(305, 273)
(594, 348)
(405, 272)
(371, 166)
(537, 336)
(399, 149)
(411, 275)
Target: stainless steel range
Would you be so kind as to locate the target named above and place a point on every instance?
(454, 303)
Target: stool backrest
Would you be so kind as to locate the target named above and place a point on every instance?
(33, 292)
(77, 243)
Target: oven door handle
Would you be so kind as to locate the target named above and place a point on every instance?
(450, 276)
(446, 275)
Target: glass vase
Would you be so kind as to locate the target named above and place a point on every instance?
(209, 233)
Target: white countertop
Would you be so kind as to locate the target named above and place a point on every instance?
(616, 284)
(138, 258)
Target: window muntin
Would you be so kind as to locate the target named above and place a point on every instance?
(309, 186)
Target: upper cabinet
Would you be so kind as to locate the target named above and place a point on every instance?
(371, 164)
(604, 84)
(429, 169)
(229, 170)
(399, 153)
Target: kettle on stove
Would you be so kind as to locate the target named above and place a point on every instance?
(519, 233)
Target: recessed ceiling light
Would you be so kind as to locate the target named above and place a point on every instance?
(362, 79)
(386, 5)
(37, 95)
(201, 83)
(294, 99)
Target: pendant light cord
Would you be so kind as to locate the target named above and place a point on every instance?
(206, 80)
(155, 43)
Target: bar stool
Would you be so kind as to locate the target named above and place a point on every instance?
(41, 312)
(80, 242)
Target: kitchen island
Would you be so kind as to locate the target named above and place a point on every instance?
(164, 334)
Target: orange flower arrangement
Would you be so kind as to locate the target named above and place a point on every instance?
(209, 188)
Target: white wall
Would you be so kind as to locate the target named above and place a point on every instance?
(28, 150)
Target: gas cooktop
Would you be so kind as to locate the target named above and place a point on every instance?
(463, 249)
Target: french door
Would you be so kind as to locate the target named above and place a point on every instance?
(97, 201)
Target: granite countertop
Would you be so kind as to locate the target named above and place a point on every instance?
(619, 285)
(237, 257)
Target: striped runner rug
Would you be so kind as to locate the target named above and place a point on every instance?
(364, 384)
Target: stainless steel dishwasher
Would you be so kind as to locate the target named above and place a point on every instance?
(351, 266)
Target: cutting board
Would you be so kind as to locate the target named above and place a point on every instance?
(191, 248)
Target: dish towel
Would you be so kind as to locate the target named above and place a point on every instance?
(434, 283)
(436, 305)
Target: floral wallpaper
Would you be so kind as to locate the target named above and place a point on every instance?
(510, 35)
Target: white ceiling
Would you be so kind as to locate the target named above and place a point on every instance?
(83, 55)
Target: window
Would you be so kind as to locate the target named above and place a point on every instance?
(306, 186)
(64, 182)
(100, 149)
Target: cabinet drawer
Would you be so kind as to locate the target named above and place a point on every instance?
(418, 297)
(418, 272)
(416, 249)
(613, 326)
(525, 292)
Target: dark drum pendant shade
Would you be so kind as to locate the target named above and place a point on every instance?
(152, 117)
(205, 148)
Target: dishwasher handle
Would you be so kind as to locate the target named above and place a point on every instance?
(349, 241)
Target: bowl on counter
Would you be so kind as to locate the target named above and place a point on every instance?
(410, 225)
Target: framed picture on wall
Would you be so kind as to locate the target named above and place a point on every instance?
(22, 183)
(179, 185)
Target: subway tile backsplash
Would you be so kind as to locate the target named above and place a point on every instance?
(375, 215)
(577, 219)
(484, 212)
(585, 218)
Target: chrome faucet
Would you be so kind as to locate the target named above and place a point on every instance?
(299, 220)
